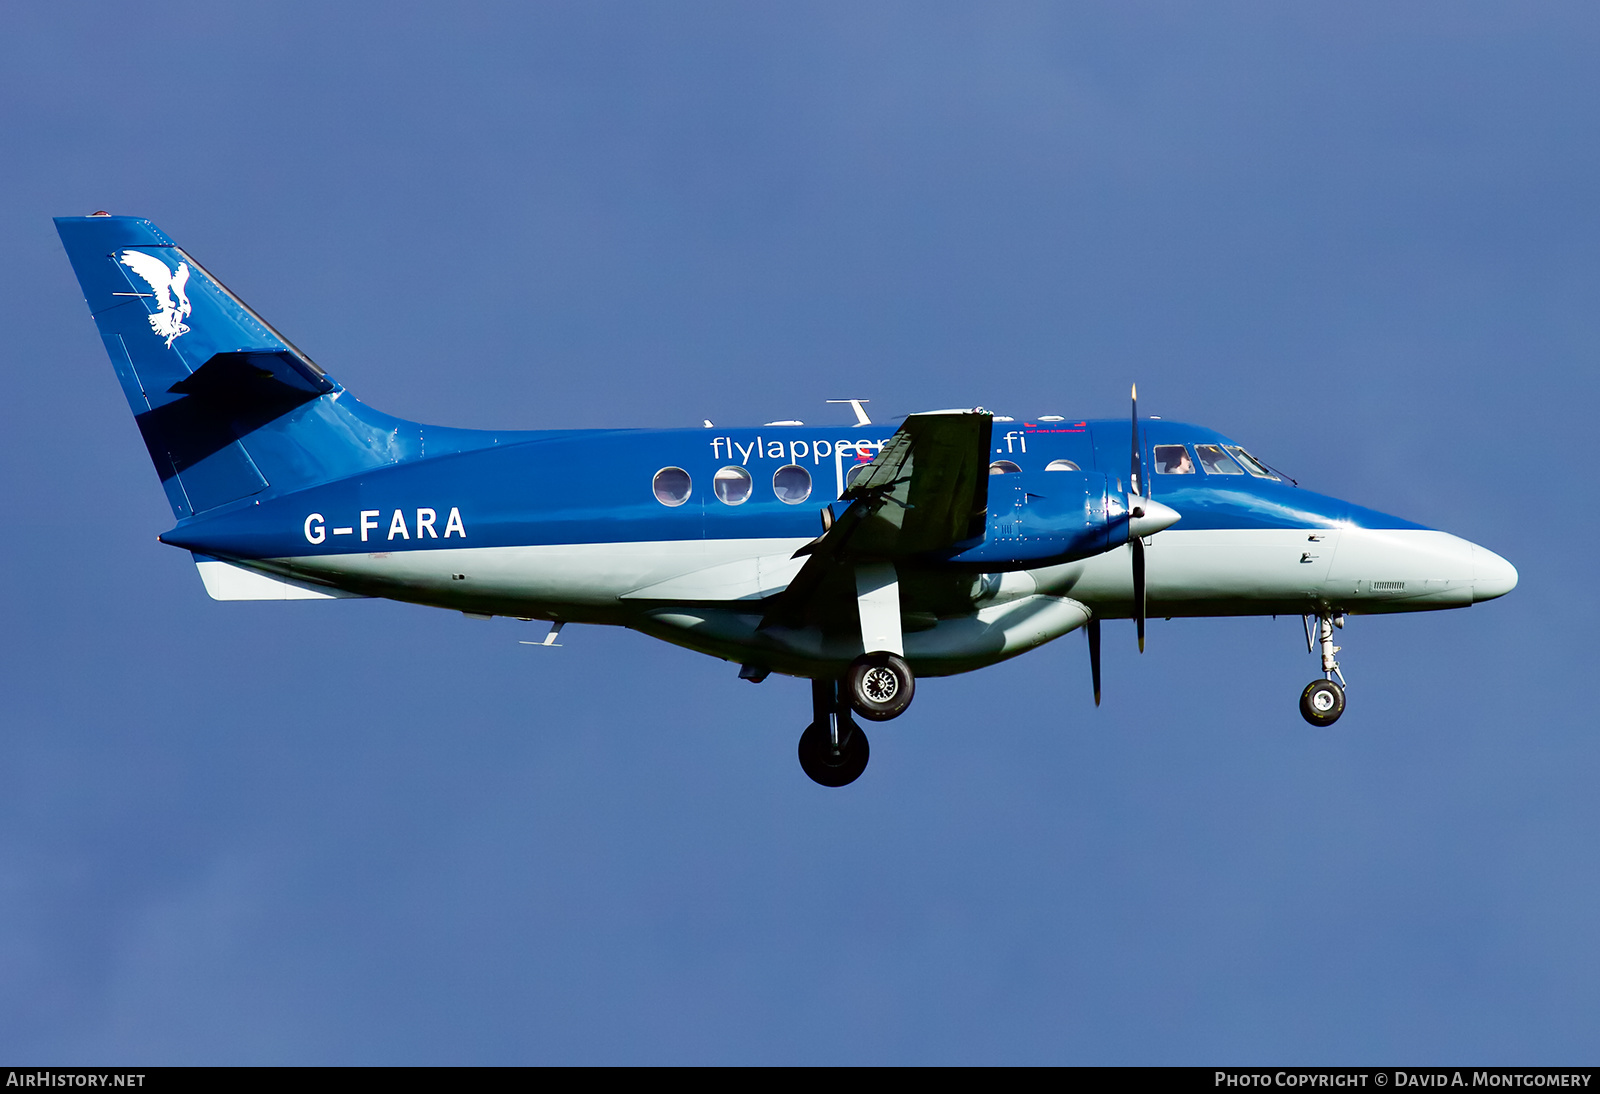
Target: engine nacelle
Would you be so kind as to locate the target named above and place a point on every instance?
(1040, 518)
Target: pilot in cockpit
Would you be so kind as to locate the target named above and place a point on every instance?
(1173, 459)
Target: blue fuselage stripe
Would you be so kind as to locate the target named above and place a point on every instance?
(596, 487)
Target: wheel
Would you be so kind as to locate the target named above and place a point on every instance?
(1322, 702)
(819, 760)
(880, 686)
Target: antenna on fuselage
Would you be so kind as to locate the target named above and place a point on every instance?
(549, 639)
(855, 405)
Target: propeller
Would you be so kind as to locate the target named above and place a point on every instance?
(1146, 517)
(1136, 511)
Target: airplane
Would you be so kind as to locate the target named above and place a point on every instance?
(860, 558)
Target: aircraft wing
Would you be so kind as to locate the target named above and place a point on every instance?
(926, 490)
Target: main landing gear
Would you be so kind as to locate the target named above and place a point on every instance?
(833, 749)
(1322, 701)
(879, 686)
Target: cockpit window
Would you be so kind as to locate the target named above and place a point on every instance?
(731, 485)
(1215, 460)
(671, 486)
(1251, 464)
(1003, 467)
(792, 484)
(1173, 459)
(1061, 465)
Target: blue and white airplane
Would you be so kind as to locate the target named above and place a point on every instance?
(859, 558)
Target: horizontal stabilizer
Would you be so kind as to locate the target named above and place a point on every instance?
(226, 581)
(246, 378)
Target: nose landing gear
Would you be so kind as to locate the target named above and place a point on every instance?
(833, 749)
(1322, 701)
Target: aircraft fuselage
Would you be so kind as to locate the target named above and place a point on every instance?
(566, 526)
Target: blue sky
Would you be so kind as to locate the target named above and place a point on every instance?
(1362, 239)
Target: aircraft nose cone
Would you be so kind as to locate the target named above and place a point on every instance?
(1156, 517)
(1492, 575)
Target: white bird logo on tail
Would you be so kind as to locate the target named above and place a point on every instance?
(167, 286)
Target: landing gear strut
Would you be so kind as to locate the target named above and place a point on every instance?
(833, 749)
(1322, 701)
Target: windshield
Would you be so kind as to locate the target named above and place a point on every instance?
(1251, 464)
(1215, 461)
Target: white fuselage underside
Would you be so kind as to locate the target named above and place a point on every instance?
(706, 594)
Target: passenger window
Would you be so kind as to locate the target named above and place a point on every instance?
(1003, 467)
(731, 485)
(671, 485)
(1251, 464)
(1215, 460)
(1173, 459)
(792, 484)
(1061, 465)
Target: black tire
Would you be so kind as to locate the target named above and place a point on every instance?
(1322, 702)
(880, 686)
(827, 767)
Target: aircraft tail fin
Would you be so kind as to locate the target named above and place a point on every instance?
(228, 407)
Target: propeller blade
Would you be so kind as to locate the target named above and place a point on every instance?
(1135, 467)
(1094, 654)
(1137, 546)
